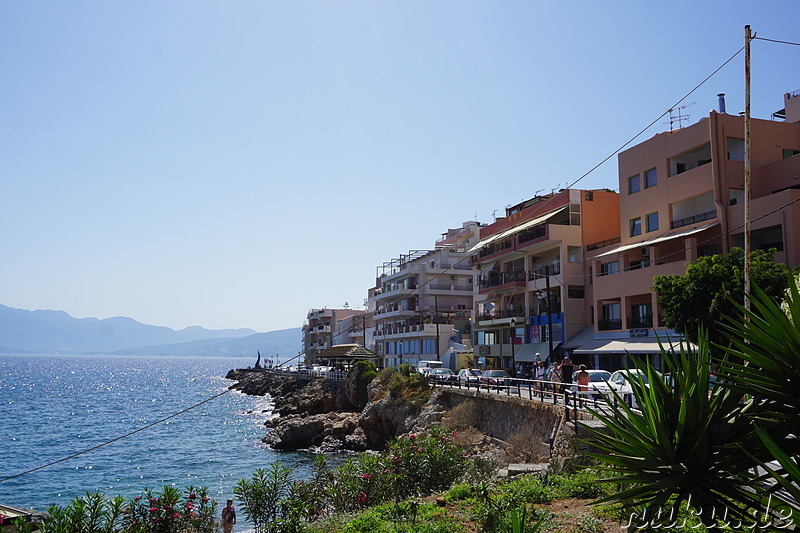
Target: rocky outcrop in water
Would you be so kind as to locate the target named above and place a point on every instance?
(319, 414)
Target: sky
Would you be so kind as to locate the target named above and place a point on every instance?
(235, 164)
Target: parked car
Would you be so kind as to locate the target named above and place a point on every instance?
(442, 375)
(495, 377)
(598, 381)
(422, 365)
(469, 376)
(620, 382)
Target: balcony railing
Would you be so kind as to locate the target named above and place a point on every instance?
(494, 279)
(640, 321)
(605, 325)
(538, 273)
(532, 234)
(601, 244)
(686, 221)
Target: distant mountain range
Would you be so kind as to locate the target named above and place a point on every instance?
(48, 332)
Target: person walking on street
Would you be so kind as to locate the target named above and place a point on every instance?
(567, 369)
(583, 383)
(228, 517)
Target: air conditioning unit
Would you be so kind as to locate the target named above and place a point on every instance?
(645, 251)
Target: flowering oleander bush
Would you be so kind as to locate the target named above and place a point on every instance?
(170, 511)
(167, 511)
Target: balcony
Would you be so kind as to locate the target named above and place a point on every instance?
(495, 279)
(602, 244)
(686, 221)
(640, 321)
(532, 234)
(539, 273)
(607, 325)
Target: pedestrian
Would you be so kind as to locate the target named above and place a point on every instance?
(228, 517)
(541, 374)
(554, 376)
(567, 369)
(583, 382)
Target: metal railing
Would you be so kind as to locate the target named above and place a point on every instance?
(708, 215)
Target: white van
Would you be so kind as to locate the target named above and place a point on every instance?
(422, 365)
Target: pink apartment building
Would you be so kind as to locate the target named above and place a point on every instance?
(681, 197)
(530, 284)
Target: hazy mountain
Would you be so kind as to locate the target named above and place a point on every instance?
(24, 331)
(285, 342)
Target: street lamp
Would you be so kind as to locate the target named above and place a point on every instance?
(513, 324)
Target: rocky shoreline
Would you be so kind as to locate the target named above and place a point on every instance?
(321, 416)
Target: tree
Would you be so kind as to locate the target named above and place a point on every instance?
(710, 288)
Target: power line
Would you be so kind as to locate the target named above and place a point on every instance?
(776, 41)
(148, 426)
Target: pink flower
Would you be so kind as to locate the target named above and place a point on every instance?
(137, 498)
(192, 496)
(366, 476)
(189, 506)
(362, 497)
(153, 509)
(176, 515)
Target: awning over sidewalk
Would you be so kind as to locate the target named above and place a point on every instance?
(585, 343)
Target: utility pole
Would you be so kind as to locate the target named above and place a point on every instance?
(747, 39)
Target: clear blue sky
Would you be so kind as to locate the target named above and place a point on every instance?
(233, 164)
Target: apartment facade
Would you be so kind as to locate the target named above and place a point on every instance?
(422, 301)
(531, 290)
(681, 197)
(320, 330)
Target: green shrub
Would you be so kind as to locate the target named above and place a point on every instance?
(167, 511)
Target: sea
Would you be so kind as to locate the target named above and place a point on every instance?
(53, 407)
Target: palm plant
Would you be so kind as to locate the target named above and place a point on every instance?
(682, 445)
(763, 364)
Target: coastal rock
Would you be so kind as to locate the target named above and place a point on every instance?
(327, 431)
(293, 394)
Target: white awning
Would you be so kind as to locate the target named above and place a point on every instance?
(520, 227)
(662, 238)
(585, 343)
(633, 346)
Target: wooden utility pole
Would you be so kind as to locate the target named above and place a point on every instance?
(747, 39)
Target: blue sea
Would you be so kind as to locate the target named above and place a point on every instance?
(54, 406)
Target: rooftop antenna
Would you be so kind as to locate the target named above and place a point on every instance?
(677, 116)
(493, 215)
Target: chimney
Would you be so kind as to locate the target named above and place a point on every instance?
(721, 102)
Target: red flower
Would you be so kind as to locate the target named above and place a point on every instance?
(362, 497)
(366, 476)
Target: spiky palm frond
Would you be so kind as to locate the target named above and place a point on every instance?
(681, 443)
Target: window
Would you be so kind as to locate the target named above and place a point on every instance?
(641, 316)
(652, 221)
(428, 346)
(636, 226)
(639, 263)
(650, 178)
(788, 152)
(633, 184)
(611, 317)
(609, 268)
(576, 291)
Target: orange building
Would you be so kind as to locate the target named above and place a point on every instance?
(681, 197)
(530, 284)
